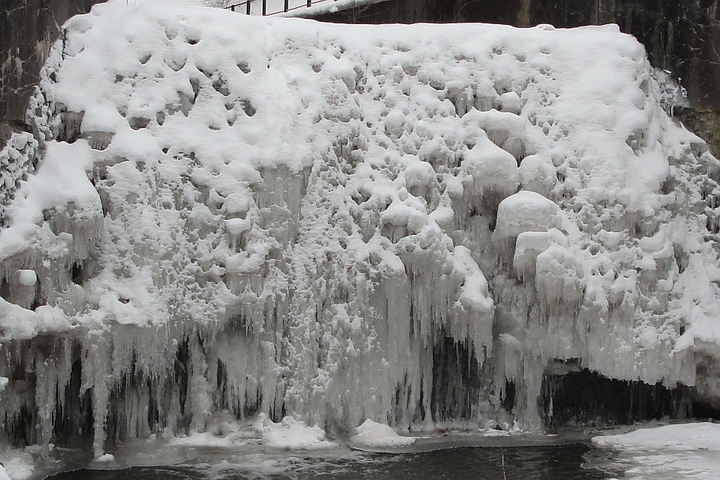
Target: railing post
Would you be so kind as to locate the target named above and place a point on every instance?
(287, 5)
(247, 7)
(264, 7)
(309, 3)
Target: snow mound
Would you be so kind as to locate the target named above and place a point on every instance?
(329, 221)
(671, 451)
(292, 434)
(683, 437)
(16, 465)
(376, 435)
(224, 431)
(105, 459)
(525, 212)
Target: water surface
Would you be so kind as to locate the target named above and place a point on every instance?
(566, 462)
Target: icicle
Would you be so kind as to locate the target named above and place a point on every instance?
(198, 390)
(97, 375)
(45, 399)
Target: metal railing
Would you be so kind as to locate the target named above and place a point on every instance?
(272, 7)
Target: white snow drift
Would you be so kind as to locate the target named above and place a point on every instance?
(667, 452)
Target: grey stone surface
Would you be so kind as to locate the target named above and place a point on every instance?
(28, 28)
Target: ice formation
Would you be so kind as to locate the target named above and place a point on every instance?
(669, 451)
(377, 435)
(17, 158)
(404, 224)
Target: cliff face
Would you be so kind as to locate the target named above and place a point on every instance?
(28, 29)
(682, 36)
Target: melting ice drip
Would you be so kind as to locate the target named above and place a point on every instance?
(346, 223)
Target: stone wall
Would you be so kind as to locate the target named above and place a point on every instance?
(28, 29)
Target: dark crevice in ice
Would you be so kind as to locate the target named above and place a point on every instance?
(182, 372)
(78, 276)
(73, 416)
(705, 410)
(457, 381)
(508, 396)
(588, 398)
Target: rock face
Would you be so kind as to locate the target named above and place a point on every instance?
(28, 28)
(681, 36)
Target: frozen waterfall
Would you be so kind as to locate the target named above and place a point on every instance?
(412, 225)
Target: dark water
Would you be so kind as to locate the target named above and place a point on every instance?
(517, 463)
